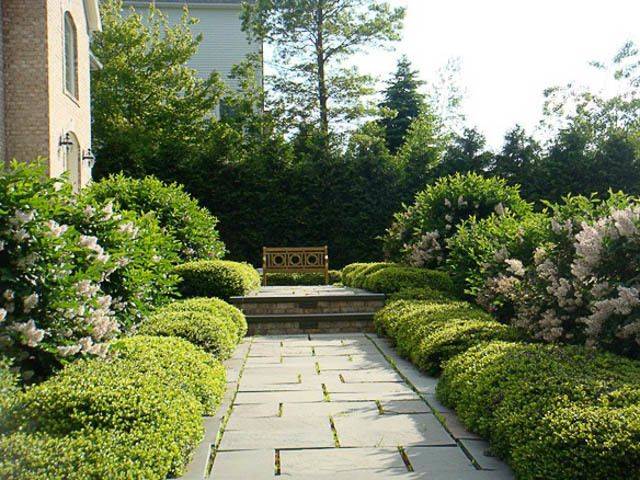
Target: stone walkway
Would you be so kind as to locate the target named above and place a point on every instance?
(340, 407)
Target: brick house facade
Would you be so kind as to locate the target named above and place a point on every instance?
(45, 100)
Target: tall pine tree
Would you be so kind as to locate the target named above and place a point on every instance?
(404, 102)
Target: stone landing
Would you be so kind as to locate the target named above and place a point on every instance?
(299, 310)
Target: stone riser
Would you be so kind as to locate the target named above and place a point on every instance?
(305, 308)
(309, 326)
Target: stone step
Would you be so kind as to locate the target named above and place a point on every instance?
(281, 302)
(278, 324)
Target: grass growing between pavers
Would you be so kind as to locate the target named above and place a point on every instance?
(227, 416)
(336, 439)
(405, 458)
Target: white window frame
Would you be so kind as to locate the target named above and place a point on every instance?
(70, 56)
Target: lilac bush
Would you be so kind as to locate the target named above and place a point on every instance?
(59, 262)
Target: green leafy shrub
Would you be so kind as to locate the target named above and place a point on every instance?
(421, 293)
(349, 270)
(360, 276)
(551, 411)
(480, 249)
(216, 335)
(135, 415)
(429, 333)
(392, 279)
(8, 385)
(419, 234)
(177, 212)
(217, 278)
(75, 274)
(176, 363)
(303, 279)
(212, 306)
(145, 256)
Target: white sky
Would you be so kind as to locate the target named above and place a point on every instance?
(511, 50)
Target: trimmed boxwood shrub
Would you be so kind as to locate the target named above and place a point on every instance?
(303, 279)
(8, 384)
(214, 306)
(217, 278)
(350, 270)
(551, 411)
(177, 212)
(421, 293)
(216, 335)
(429, 333)
(394, 278)
(135, 415)
(390, 277)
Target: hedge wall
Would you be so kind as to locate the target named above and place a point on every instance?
(137, 415)
(552, 412)
(391, 278)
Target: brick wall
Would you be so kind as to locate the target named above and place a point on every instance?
(25, 79)
(38, 110)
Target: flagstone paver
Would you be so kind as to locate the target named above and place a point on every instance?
(339, 407)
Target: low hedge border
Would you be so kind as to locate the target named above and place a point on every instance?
(216, 335)
(431, 332)
(551, 411)
(217, 278)
(391, 278)
(212, 306)
(136, 415)
(302, 279)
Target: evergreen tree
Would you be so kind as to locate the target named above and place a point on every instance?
(403, 103)
(466, 153)
(313, 40)
(518, 160)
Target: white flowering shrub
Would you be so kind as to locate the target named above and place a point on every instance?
(145, 258)
(73, 276)
(582, 284)
(179, 214)
(486, 256)
(419, 234)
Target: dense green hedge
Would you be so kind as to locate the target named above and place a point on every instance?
(8, 384)
(391, 278)
(421, 293)
(552, 411)
(302, 279)
(136, 415)
(217, 278)
(213, 306)
(431, 332)
(217, 335)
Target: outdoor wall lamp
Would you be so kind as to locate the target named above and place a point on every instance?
(65, 141)
(89, 157)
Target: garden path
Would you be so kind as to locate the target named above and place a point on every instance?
(340, 406)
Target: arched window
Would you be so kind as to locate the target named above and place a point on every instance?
(70, 56)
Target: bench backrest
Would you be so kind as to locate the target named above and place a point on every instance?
(295, 260)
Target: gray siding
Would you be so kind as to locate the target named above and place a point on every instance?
(224, 43)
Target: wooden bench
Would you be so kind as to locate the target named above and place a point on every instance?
(295, 260)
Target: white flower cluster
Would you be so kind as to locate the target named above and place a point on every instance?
(427, 251)
(583, 287)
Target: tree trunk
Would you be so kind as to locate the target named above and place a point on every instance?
(323, 96)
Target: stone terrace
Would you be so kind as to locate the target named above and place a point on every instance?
(322, 309)
(336, 406)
